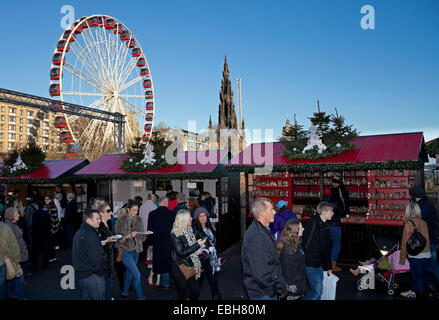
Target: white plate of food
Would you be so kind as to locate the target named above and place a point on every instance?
(115, 237)
(144, 233)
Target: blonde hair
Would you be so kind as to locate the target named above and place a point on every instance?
(412, 211)
(180, 222)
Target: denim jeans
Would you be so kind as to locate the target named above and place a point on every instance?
(129, 259)
(335, 238)
(418, 270)
(3, 282)
(433, 266)
(15, 288)
(315, 279)
(108, 288)
(92, 288)
(164, 279)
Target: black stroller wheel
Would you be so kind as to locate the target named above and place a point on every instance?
(391, 292)
(395, 286)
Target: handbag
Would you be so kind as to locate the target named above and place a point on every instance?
(13, 269)
(188, 272)
(416, 243)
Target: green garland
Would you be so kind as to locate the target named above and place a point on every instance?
(327, 167)
(433, 148)
(32, 156)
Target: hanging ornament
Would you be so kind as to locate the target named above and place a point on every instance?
(76, 147)
(314, 140)
(18, 165)
(338, 145)
(148, 155)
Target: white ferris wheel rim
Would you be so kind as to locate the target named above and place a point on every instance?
(129, 106)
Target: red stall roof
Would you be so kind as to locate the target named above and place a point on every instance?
(190, 162)
(377, 148)
(51, 169)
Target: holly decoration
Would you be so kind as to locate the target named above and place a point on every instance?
(328, 136)
(27, 160)
(149, 156)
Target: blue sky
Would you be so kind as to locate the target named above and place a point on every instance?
(288, 54)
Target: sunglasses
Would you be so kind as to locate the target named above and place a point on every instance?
(108, 210)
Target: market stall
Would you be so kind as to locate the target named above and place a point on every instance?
(195, 170)
(378, 173)
(45, 178)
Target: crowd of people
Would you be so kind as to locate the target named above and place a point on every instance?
(281, 259)
(176, 237)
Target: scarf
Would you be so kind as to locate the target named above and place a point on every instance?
(190, 237)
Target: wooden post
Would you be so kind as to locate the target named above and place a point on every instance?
(153, 186)
(322, 187)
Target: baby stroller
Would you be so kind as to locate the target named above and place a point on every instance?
(385, 268)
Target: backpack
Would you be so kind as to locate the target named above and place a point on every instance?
(416, 243)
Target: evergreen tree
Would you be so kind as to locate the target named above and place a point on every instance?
(340, 132)
(321, 121)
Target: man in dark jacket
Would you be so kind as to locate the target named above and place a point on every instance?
(429, 215)
(340, 199)
(317, 247)
(208, 202)
(262, 274)
(160, 222)
(71, 219)
(181, 200)
(40, 236)
(89, 259)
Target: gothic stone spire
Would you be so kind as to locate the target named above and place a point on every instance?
(226, 112)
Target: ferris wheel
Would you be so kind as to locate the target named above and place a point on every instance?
(98, 63)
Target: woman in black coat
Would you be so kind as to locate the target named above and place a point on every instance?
(40, 235)
(105, 232)
(185, 251)
(292, 259)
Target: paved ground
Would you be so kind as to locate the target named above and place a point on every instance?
(45, 284)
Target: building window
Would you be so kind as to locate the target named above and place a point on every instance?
(21, 120)
(3, 118)
(11, 145)
(21, 129)
(2, 135)
(11, 128)
(21, 137)
(30, 113)
(45, 125)
(11, 119)
(29, 122)
(3, 109)
(2, 126)
(21, 112)
(12, 136)
(12, 110)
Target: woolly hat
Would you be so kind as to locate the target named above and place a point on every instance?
(417, 191)
(199, 211)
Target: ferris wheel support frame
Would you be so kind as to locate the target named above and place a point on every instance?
(51, 105)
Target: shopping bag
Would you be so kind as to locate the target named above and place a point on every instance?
(148, 260)
(329, 286)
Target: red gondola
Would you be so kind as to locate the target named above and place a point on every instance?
(109, 24)
(148, 127)
(93, 22)
(61, 44)
(65, 136)
(60, 122)
(149, 105)
(117, 28)
(145, 138)
(57, 59)
(54, 74)
(148, 94)
(70, 150)
(79, 29)
(131, 43)
(141, 62)
(136, 52)
(125, 35)
(67, 34)
(147, 83)
(149, 116)
(144, 72)
(54, 89)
